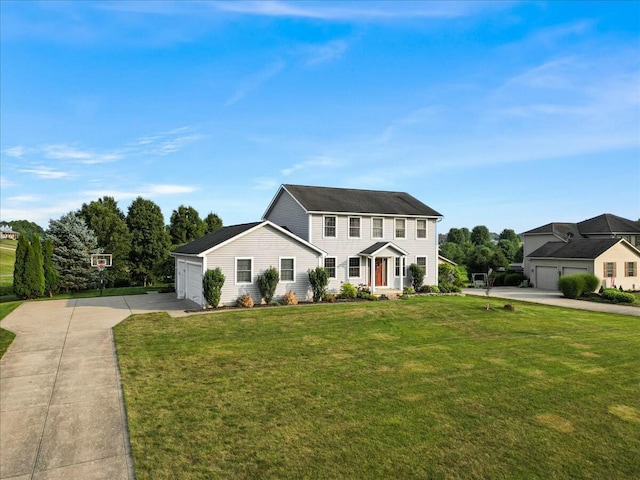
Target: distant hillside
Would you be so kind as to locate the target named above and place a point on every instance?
(7, 260)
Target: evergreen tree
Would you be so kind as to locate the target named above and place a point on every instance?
(74, 243)
(22, 251)
(150, 240)
(185, 225)
(212, 223)
(34, 271)
(51, 280)
(108, 223)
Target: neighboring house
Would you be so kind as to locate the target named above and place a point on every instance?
(243, 252)
(360, 236)
(606, 245)
(442, 259)
(370, 236)
(7, 234)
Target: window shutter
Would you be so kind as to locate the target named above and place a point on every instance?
(614, 269)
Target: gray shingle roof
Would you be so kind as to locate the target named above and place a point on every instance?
(376, 247)
(212, 239)
(349, 200)
(561, 229)
(608, 223)
(577, 248)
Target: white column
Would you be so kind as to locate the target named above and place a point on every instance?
(373, 274)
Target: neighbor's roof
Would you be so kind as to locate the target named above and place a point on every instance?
(349, 200)
(608, 223)
(557, 228)
(588, 248)
(214, 238)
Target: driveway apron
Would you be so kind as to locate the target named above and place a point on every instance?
(61, 407)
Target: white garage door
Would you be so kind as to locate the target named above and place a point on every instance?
(572, 270)
(547, 278)
(194, 283)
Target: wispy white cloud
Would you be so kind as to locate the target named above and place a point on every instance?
(87, 157)
(151, 190)
(324, 53)
(18, 151)
(24, 198)
(6, 183)
(321, 161)
(253, 82)
(46, 173)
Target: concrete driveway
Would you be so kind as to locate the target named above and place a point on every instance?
(61, 406)
(548, 297)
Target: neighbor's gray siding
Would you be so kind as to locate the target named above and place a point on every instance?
(342, 247)
(265, 246)
(286, 212)
(531, 243)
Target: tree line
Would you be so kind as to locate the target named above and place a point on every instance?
(139, 242)
(478, 251)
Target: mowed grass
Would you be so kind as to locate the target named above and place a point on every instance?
(7, 260)
(6, 337)
(433, 388)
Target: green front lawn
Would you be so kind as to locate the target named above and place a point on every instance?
(423, 388)
(7, 261)
(6, 337)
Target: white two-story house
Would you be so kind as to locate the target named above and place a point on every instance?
(362, 237)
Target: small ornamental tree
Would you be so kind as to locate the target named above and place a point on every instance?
(212, 286)
(267, 283)
(417, 274)
(319, 279)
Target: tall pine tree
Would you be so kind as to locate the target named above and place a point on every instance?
(51, 277)
(19, 283)
(34, 272)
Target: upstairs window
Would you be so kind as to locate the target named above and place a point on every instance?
(401, 228)
(287, 269)
(354, 227)
(330, 227)
(421, 228)
(376, 227)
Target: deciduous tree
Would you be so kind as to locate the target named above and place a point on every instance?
(185, 225)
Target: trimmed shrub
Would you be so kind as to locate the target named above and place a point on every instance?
(616, 296)
(245, 301)
(434, 289)
(499, 279)
(348, 291)
(289, 298)
(417, 273)
(591, 282)
(6, 290)
(513, 279)
(267, 283)
(319, 279)
(212, 286)
(408, 290)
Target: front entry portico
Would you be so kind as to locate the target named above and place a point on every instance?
(381, 258)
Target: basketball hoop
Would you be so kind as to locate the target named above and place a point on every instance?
(101, 264)
(102, 261)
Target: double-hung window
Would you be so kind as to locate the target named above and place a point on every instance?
(244, 270)
(400, 267)
(422, 262)
(354, 227)
(630, 269)
(421, 228)
(330, 230)
(330, 266)
(377, 227)
(354, 267)
(287, 269)
(401, 228)
(609, 269)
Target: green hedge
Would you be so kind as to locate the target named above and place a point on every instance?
(616, 296)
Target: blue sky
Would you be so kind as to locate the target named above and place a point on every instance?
(504, 114)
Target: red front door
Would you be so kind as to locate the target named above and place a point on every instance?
(381, 278)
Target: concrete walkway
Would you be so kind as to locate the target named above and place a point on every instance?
(62, 412)
(548, 297)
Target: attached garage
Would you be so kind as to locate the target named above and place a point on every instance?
(546, 277)
(189, 279)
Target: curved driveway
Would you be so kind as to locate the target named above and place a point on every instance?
(548, 297)
(61, 406)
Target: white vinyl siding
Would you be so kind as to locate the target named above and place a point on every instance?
(287, 269)
(354, 267)
(330, 227)
(354, 227)
(244, 270)
(377, 227)
(330, 266)
(421, 229)
(400, 228)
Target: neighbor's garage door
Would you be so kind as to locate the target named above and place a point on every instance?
(572, 270)
(194, 283)
(547, 278)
